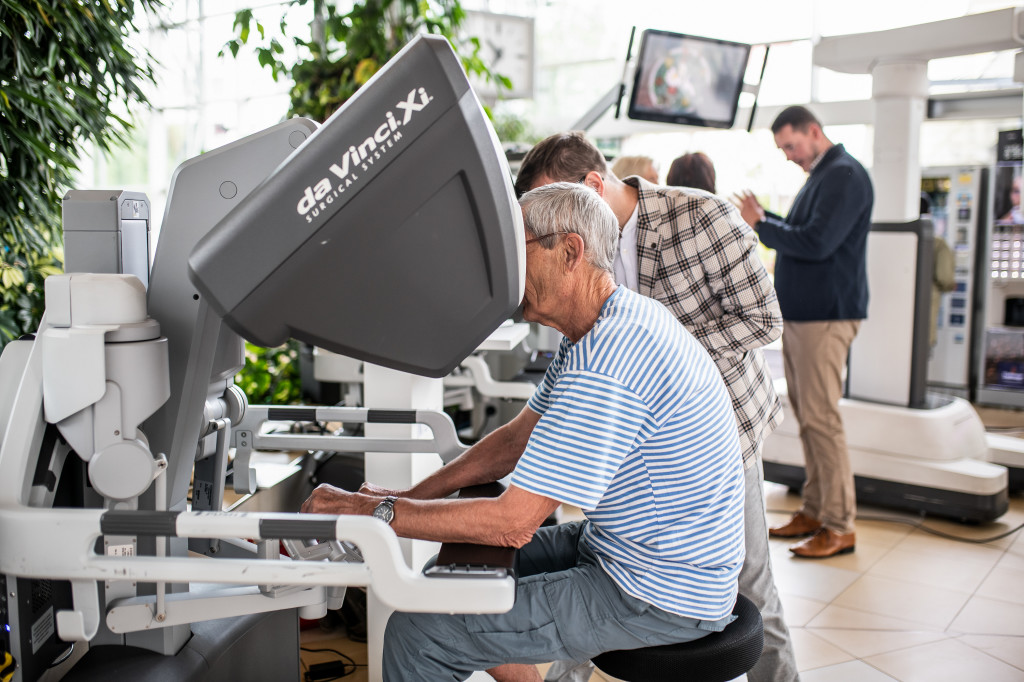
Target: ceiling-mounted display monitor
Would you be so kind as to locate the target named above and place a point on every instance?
(688, 79)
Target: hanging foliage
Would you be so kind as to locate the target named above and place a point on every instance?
(339, 51)
(65, 69)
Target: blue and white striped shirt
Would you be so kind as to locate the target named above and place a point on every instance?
(637, 429)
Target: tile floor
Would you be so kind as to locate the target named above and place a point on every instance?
(906, 606)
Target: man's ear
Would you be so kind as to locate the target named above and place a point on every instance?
(594, 181)
(573, 246)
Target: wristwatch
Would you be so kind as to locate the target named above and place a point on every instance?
(385, 511)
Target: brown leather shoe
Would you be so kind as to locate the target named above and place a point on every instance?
(798, 526)
(825, 543)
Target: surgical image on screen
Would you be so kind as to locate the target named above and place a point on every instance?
(688, 78)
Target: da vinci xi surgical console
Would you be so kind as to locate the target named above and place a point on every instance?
(390, 234)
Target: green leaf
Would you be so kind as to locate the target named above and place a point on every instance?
(12, 277)
(242, 19)
(51, 57)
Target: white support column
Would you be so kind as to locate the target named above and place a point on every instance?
(900, 93)
(390, 389)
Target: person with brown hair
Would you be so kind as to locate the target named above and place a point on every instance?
(693, 169)
(691, 251)
(643, 166)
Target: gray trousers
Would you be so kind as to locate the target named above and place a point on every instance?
(757, 583)
(566, 607)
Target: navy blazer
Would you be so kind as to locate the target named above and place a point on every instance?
(821, 261)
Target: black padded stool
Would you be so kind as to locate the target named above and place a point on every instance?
(717, 657)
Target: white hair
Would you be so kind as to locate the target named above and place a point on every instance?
(573, 207)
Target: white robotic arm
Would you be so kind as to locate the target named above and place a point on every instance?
(104, 372)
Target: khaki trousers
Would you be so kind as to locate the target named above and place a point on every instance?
(814, 355)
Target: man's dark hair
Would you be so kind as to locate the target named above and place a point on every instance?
(796, 116)
(563, 157)
(692, 170)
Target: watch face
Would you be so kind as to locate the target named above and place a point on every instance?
(385, 511)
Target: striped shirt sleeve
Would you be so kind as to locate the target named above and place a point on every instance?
(542, 396)
(589, 425)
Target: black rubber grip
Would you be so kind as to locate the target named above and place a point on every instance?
(297, 529)
(292, 414)
(126, 522)
(391, 416)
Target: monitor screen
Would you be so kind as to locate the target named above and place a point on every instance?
(688, 79)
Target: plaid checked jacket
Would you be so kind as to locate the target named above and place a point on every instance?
(697, 257)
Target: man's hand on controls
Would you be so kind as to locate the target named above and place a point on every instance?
(750, 207)
(380, 491)
(327, 499)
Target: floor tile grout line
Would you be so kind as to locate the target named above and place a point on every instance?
(982, 651)
(905, 649)
(874, 667)
(975, 594)
(861, 577)
(817, 613)
(924, 626)
(829, 641)
(888, 551)
(887, 630)
(970, 592)
(890, 651)
(966, 593)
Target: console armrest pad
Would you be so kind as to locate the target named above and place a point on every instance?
(465, 560)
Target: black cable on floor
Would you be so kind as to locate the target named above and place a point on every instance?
(919, 525)
(1004, 429)
(331, 670)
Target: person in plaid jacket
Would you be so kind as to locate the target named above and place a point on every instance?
(693, 252)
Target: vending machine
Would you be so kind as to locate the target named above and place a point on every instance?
(959, 201)
(1001, 365)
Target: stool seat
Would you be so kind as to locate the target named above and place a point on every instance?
(717, 657)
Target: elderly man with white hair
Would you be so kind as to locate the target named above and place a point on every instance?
(633, 424)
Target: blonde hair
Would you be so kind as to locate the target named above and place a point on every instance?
(625, 166)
